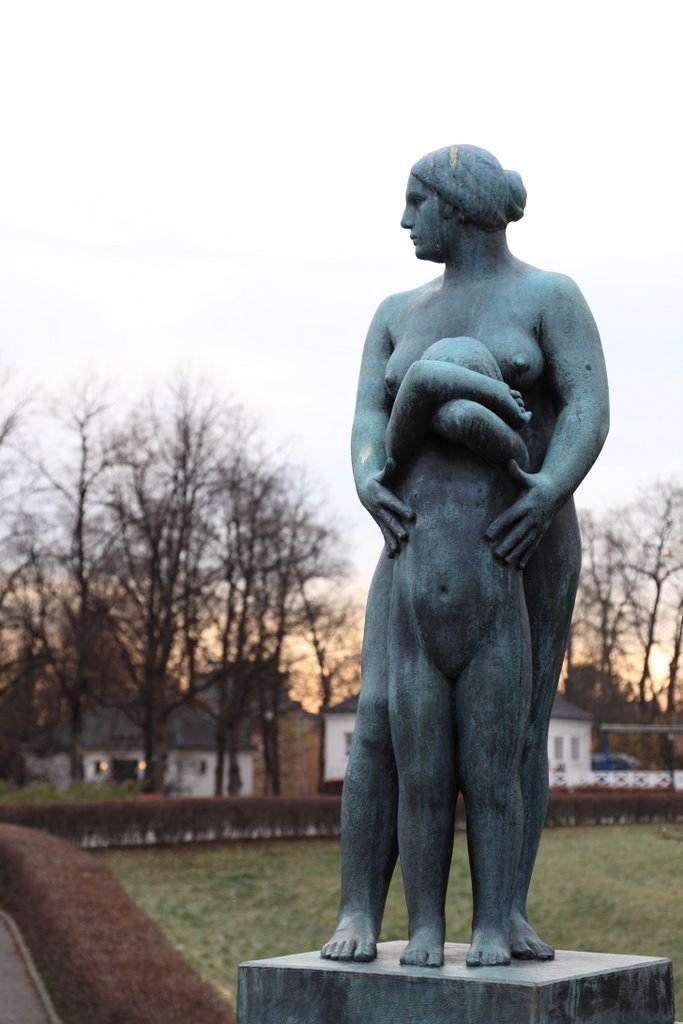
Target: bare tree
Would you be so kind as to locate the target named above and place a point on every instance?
(629, 608)
(332, 620)
(649, 541)
(675, 648)
(13, 556)
(65, 607)
(244, 535)
(598, 637)
(158, 499)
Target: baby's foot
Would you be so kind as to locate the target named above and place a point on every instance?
(489, 948)
(354, 939)
(425, 948)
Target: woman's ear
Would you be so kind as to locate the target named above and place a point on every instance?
(450, 212)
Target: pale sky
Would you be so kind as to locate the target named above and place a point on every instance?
(216, 189)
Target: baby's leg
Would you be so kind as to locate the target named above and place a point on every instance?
(492, 699)
(430, 383)
(420, 708)
(487, 435)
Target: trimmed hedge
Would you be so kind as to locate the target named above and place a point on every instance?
(103, 960)
(179, 820)
(184, 820)
(614, 807)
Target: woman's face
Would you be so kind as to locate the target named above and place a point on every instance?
(423, 217)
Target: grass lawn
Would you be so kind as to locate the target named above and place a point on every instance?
(615, 889)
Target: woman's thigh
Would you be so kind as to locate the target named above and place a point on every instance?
(550, 583)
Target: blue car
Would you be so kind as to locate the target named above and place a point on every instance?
(614, 763)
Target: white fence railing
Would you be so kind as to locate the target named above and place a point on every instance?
(617, 779)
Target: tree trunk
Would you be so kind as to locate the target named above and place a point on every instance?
(156, 752)
(234, 777)
(673, 667)
(160, 759)
(76, 751)
(321, 754)
(220, 761)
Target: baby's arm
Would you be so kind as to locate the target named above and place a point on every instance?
(429, 384)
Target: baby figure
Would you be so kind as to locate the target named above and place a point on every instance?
(456, 389)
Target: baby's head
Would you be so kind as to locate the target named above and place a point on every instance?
(467, 352)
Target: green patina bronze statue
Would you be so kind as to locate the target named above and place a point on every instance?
(482, 404)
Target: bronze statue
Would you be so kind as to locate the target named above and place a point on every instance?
(482, 404)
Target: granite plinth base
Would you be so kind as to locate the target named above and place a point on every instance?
(575, 988)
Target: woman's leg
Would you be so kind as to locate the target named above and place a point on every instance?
(369, 800)
(550, 583)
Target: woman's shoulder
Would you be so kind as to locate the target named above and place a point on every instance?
(548, 284)
(395, 306)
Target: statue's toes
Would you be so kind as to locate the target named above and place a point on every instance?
(365, 952)
(435, 959)
(495, 959)
(544, 952)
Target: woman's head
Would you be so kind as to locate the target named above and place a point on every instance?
(474, 182)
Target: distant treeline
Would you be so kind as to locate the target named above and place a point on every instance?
(165, 556)
(624, 654)
(161, 558)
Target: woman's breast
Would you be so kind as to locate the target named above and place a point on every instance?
(406, 352)
(519, 356)
(517, 353)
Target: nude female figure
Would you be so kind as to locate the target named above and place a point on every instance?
(541, 334)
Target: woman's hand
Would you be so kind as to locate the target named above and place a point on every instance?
(389, 512)
(516, 533)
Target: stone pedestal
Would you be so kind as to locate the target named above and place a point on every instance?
(575, 988)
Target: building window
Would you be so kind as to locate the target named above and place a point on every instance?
(575, 748)
(559, 748)
(348, 736)
(202, 767)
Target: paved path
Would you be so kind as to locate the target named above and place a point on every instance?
(23, 999)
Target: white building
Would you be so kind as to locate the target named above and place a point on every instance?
(113, 749)
(340, 722)
(569, 741)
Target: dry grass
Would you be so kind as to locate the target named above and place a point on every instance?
(612, 889)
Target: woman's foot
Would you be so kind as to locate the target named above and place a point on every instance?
(525, 943)
(354, 939)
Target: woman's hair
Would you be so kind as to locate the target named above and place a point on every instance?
(472, 180)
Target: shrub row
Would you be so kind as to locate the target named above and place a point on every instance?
(102, 959)
(179, 820)
(614, 807)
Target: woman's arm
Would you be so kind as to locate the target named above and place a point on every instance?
(368, 452)
(578, 390)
